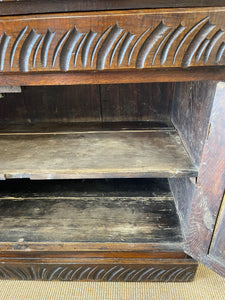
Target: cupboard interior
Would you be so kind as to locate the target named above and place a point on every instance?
(148, 136)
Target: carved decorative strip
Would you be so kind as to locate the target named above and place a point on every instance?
(104, 41)
(125, 273)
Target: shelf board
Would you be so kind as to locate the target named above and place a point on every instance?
(104, 153)
(89, 215)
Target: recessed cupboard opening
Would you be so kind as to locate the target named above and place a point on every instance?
(106, 167)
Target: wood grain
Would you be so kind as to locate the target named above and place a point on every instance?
(52, 104)
(217, 249)
(136, 102)
(87, 103)
(191, 110)
(113, 40)
(94, 154)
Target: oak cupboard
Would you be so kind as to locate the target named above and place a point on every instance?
(112, 141)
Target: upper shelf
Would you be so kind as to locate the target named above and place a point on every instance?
(156, 152)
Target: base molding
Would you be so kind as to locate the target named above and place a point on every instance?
(163, 270)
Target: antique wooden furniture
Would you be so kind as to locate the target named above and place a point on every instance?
(112, 139)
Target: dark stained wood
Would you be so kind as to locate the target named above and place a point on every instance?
(209, 188)
(52, 104)
(8, 7)
(63, 104)
(183, 191)
(89, 212)
(136, 102)
(113, 40)
(94, 154)
(177, 270)
(191, 110)
(113, 77)
(217, 249)
(63, 127)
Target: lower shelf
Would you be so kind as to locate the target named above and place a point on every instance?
(113, 230)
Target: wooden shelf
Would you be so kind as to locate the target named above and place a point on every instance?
(73, 154)
(89, 215)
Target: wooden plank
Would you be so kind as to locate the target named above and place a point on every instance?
(96, 154)
(8, 7)
(136, 102)
(113, 77)
(68, 128)
(82, 103)
(91, 215)
(168, 38)
(52, 104)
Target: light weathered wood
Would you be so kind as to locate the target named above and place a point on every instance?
(10, 89)
(113, 40)
(94, 154)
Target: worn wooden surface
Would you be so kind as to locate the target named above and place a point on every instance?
(183, 191)
(94, 154)
(192, 104)
(89, 212)
(152, 270)
(8, 7)
(210, 187)
(113, 40)
(88, 103)
(191, 109)
(217, 249)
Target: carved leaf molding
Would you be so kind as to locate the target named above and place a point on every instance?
(187, 44)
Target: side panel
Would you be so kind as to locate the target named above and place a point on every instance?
(209, 189)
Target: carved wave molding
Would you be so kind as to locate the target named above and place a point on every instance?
(122, 42)
(98, 273)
